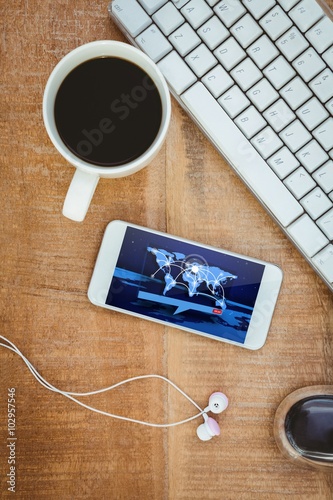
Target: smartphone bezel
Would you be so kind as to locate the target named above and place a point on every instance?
(264, 305)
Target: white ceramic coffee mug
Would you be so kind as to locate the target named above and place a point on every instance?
(86, 176)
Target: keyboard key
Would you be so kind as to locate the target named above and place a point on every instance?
(329, 106)
(312, 113)
(249, 165)
(328, 57)
(131, 15)
(275, 22)
(153, 42)
(287, 4)
(324, 176)
(322, 85)
(180, 3)
(246, 74)
(312, 156)
(152, 6)
(283, 162)
(217, 81)
(177, 73)
(262, 94)
(324, 262)
(321, 35)
(267, 142)
(229, 11)
(279, 115)
(246, 30)
(184, 39)
(196, 12)
(296, 93)
(257, 7)
(307, 235)
(213, 33)
(326, 225)
(201, 60)
(324, 134)
(309, 64)
(250, 122)
(229, 53)
(168, 18)
(279, 72)
(300, 183)
(263, 51)
(234, 101)
(292, 44)
(316, 203)
(295, 136)
(305, 14)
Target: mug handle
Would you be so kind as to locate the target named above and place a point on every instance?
(79, 195)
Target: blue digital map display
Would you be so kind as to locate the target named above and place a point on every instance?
(184, 284)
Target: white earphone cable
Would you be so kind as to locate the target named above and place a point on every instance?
(70, 395)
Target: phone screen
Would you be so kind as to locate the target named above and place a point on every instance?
(185, 284)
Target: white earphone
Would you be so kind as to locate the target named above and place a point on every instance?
(218, 401)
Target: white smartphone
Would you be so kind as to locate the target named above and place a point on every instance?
(187, 285)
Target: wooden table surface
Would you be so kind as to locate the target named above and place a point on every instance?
(64, 451)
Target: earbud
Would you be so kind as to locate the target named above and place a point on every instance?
(218, 402)
(208, 429)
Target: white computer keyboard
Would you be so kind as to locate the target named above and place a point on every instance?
(256, 76)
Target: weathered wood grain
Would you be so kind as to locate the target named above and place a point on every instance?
(46, 260)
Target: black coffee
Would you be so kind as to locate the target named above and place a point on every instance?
(108, 111)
